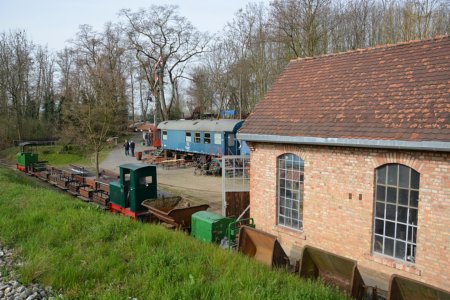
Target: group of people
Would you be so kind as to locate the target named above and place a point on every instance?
(147, 136)
(129, 146)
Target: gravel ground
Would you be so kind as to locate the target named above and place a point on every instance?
(199, 189)
(11, 289)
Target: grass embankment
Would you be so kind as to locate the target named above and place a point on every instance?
(86, 253)
(55, 157)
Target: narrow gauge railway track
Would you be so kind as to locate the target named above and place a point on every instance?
(7, 164)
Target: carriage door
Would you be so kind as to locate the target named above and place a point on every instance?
(235, 185)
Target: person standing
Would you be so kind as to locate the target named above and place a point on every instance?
(132, 145)
(126, 146)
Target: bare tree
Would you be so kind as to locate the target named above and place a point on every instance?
(164, 43)
(98, 107)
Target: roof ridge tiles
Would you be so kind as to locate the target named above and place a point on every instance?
(384, 46)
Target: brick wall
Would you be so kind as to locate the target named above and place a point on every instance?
(335, 223)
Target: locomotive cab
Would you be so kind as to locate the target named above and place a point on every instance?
(136, 184)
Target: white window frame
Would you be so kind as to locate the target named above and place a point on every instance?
(197, 137)
(396, 209)
(206, 138)
(188, 137)
(290, 186)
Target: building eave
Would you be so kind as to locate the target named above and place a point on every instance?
(346, 142)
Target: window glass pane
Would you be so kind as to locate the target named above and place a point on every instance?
(207, 138)
(412, 234)
(287, 221)
(410, 252)
(295, 223)
(401, 232)
(381, 175)
(403, 176)
(281, 219)
(378, 244)
(381, 193)
(388, 247)
(414, 198)
(413, 216)
(379, 210)
(390, 229)
(392, 174)
(390, 212)
(391, 195)
(402, 214)
(415, 179)
(400, 250)
(379, 227)
(282, 201)
(188, 137)
(288, 184)
(231, 139)
(403, 196)
(197, 137)
(217, 138)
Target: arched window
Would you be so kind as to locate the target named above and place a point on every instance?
(290, 191)
(395, 217)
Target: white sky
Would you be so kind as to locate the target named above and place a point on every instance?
(53, 22)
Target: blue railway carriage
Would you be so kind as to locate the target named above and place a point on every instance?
(209, 137)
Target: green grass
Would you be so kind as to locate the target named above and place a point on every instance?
(85, 253)
(55, 158)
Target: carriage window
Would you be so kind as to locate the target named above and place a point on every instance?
(231, 139)
(188, 137)
(217, 138)
(146, 180)
(207, 138)
(197, 137)
(290, 191)
(396, 210)
(164, 134)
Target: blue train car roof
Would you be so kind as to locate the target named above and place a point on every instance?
(223, 125)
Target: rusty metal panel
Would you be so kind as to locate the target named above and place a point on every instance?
(173, 210)
(402, 288)
(336, 270)
(262, 246)
(237, 202)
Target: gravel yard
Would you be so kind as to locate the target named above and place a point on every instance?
(199, 189)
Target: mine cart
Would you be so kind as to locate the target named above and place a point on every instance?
(402, 288)
(100, 195)
(333, 269)
(262, 246)
(87, 190)
(173, 211)
(75, 185)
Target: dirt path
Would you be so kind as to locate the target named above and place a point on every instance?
(182, 181)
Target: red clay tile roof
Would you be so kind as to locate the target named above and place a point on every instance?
(398, 92)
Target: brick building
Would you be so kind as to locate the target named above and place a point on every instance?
(350, 153)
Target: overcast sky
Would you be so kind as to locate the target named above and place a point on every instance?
(53, 22)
